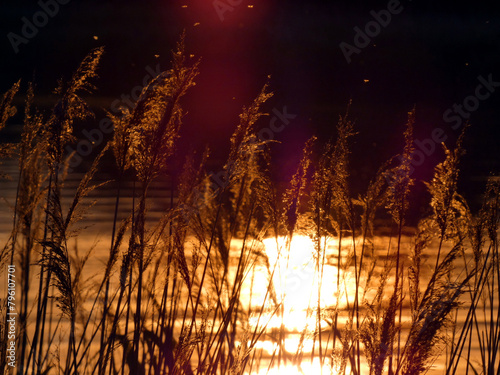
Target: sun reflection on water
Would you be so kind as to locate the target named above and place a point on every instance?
(304, 368)
(298, 276)
(297, 282)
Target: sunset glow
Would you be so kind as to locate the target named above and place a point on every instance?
(258, 187)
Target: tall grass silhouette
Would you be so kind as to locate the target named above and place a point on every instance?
(197, 290)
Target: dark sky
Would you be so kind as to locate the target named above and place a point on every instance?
(429, 54)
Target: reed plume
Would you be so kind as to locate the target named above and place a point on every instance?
(57, 131)
(295, 195)
(7, 110)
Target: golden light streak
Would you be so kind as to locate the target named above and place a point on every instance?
(306, 367)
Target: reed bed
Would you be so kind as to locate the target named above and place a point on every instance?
(181, 295)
